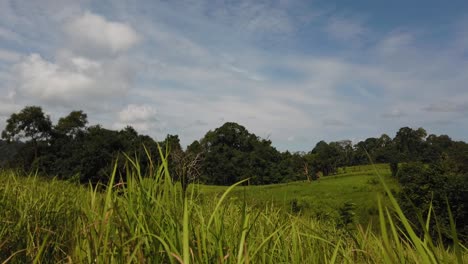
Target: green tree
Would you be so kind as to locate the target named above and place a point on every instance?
(195, 147)
(264, 163)
(327, 157)
(8, 152)
(61, 159)
(410, 143)
(98, 150)
(31, 125)
(231, 154)
(436, 148)
(142, 147)
(72, 124)
(385, 151)
(224, 148)
(423, 185)
(345, 148)
(171, 145)
(366, 150)
(458, 155)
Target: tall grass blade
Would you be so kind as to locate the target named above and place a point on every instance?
(186, 248)
(220, 201)
(456, 242)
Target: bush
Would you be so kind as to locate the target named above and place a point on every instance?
(434, 189)
(394, 168)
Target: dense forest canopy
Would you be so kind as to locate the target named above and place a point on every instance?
(223, 156)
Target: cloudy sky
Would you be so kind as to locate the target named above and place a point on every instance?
(293, 71)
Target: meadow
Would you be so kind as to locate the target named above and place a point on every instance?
(150, 220)
(323, 198)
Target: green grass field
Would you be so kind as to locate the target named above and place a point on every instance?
(321, 199)
(149, 220)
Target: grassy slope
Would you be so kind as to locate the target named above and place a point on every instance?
(148, 220)
(322, 198)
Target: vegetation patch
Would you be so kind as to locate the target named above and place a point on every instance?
(151, 220)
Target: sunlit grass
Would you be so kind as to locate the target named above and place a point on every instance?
(149, 220)
(322, 198)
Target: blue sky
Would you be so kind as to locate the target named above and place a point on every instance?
(293, 71)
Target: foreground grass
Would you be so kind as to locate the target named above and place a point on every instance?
(149, 220)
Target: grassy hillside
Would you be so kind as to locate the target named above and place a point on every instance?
(321, 199)
(150, 221)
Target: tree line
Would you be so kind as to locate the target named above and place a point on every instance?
(224, 156)
(432, 170)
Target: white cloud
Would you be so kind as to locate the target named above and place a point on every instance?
(91, 31)
(7, 105)
(141, 117)
(9, 56)
(261, 113)
(218, 61)
(135, 113)
(72, 79)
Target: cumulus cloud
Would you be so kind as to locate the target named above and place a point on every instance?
(91, 32)
(9, 56)
(141, 117)
(202, 63)
(90, 69)
(72, 79)
(7, 104)
(135, 113)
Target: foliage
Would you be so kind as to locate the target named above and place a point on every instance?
(30, 124)
(410, 143)
(394, 168)
(8, 151)
(73, 124)
(231, 154)
(71, 149)
(149, 220)
(346, 214)
(429, 189)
